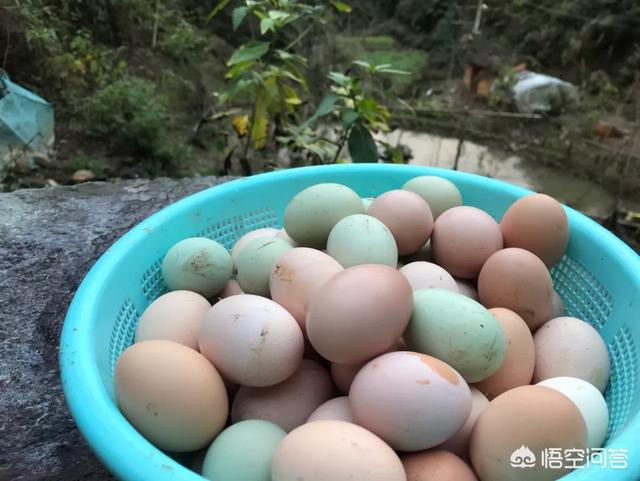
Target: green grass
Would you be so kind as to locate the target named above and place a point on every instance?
(412, 61)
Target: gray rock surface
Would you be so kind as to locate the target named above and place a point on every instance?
(49, 239)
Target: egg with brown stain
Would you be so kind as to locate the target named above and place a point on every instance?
(297, 275)
(390, 395)
(253, 341)
(359, 313)
(539, 224)
(517, 427)
(436, 465)
(516, 279)
(519, 362)
(335, 451)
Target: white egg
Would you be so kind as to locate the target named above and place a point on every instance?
(590, 403)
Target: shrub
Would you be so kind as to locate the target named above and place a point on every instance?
(132, 113)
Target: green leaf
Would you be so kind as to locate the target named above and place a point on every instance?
(392, 71)
(362, 147)
(324, 108)
(339, 78)
(238, 68)
(290, 95)
(218, 8)
(238, 16)
(348, 117)
(252, 50)
(341, 6)
(260, 123)
(279, 16)
(266, 24)
(363, 64)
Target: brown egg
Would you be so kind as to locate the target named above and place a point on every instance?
(537, 223)
(518, 280)
(531, 418)
(519, 362)
(171, 394)
(335, 451)
(426, 275)
(231, 289)
(358, 313)
(336, 409)
(297, 275)
(463, 239)
(458, 444)
(175, 316)
(436, 465)
(567, 346)
(467, 288)
(407, 216)
(288, 404)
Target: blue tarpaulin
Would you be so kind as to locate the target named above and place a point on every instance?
(26, 120)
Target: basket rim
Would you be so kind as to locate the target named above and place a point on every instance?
(115, 441)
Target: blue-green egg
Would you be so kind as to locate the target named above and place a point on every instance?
(255, 262)
(441, 194)
(313, 212)
(457, 330)
(243, 452)
(197, 264)
(362, 239)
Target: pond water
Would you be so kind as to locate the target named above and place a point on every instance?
(435, 151)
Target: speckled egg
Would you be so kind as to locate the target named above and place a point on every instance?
(197, 264)
(312, 213)
(256, 262)
(519, 362)
(249, 236)
(426, 275)
(362, 239)
(297, 275)
(457, 330)
(389, 394)
(253, 341)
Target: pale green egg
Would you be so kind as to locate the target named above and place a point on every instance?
(243, 452)
(457, 330)
(197, 264)
(362, 239)
(312, 213)
(441, 194)
(255, 262)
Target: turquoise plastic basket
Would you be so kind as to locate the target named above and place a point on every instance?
(598, 279)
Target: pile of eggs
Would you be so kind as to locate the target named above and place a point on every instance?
(406, 337)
